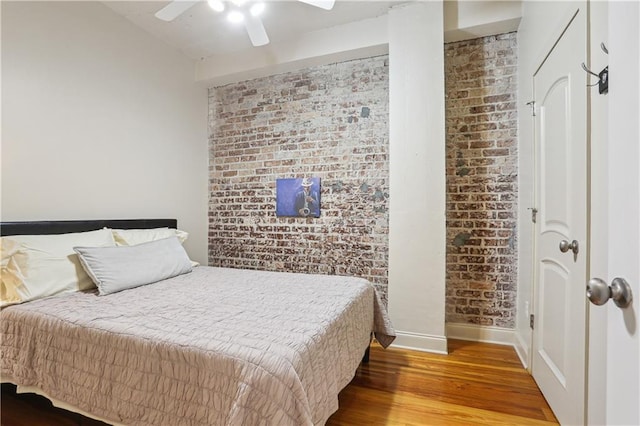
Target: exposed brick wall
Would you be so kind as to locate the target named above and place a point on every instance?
(329, 122)
(332, 122)
(481, 125)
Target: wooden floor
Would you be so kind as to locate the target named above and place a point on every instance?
(476, 384)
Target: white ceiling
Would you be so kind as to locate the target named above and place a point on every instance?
(200, 32)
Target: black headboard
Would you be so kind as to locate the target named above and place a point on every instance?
(65, 226)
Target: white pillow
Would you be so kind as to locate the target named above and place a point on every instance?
(131, 237)
(37, 266)
(119, 268)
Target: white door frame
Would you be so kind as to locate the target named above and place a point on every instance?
(623, 331)
(614, 376)
(598, 226)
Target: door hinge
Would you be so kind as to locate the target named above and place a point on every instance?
(531, 320)
(532, 104)
(534, 214)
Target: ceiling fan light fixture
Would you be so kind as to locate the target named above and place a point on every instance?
(235, 16)
(257, 9)
(322, 4)
(241, 12)
(216, 5)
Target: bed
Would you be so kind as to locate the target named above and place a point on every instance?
(213, 346)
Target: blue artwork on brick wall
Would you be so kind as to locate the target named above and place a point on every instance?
(298, 197)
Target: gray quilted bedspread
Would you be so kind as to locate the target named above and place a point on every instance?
(216, 346)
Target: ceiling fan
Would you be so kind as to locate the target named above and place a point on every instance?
(241, 11)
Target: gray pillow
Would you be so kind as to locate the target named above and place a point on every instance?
(118, 268)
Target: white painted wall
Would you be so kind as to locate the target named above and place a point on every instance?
(360, 39)
(99, 120)
(417, 176)
(464, 20)
(539, 28)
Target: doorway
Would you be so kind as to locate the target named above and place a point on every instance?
(561, 188)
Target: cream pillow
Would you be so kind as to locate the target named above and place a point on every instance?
(132, 237)
(37, 266)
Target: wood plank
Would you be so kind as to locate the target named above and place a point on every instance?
(383, 408)
(476, 383)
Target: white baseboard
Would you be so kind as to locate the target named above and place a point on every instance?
(472, 332)
(496, 335)
(522, 349)
(481, 333)
(420, 342)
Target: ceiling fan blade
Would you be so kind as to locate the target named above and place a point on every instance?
(322, 4)
(174, 9)
(256, 31)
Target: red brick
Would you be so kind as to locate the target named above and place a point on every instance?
(262, 130)
(481, 150)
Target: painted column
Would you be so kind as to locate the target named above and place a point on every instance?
(417, 176)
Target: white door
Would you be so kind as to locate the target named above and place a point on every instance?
(623, 331)
(558, 363)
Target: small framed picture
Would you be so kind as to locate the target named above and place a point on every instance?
(298, 197)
